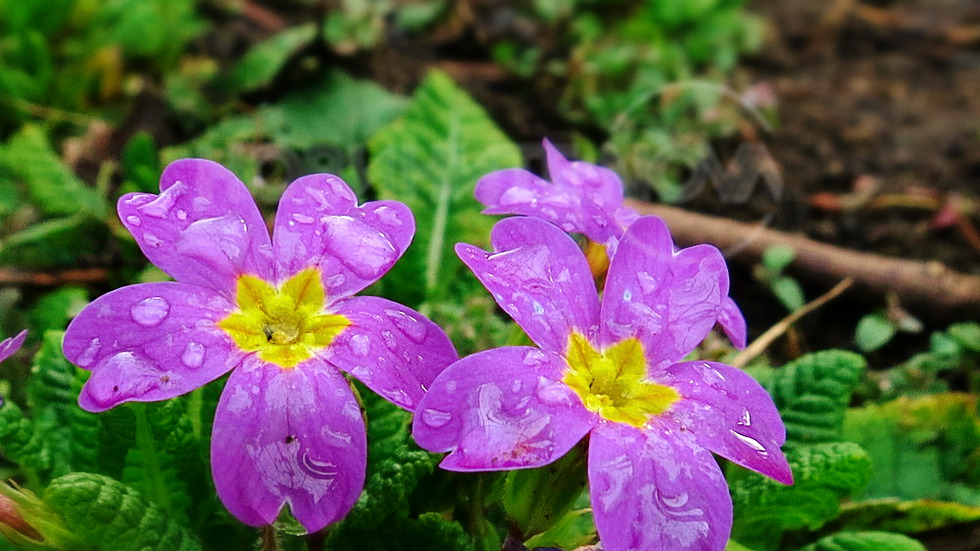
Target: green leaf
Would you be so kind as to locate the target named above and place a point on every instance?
(536, 499)
(574, 530)
(19, 442)
(907, 517)
(54, 388)
(873, 331)
(813, 392)
(263, 62)
(110, 515)
(54, 310)
(140, 164)
(428, 532)
(967, 335)
(430, 159)
(778, 257)
(53, 187)
(58, 242)
(336, 109)
(865, 541)
(823, 475)
(789, 293)
(922, 448)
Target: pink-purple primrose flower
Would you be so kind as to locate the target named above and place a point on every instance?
(613, 370)
(581, 198)
(10, 345)
(280, 315)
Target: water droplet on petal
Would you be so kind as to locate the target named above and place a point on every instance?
(552, 393)
(746, 419)
(435, 418)
(390, 340)
(538, 309)
(627, 295)
(388, 216)
(675, 502)
(534, 358)
(303, 218)
(750, 442)
(87, 356)
(408, 324)
(134, 220)
(150, 312)
(152, 240)
(516, 385)
(193, 355)
(648, 283)
(360, 345)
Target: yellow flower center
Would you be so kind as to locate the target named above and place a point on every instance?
(598, 259)
(284, 326)
(613, 383)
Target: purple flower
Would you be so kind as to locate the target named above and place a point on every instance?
(279, 314)
(611, 369)
(10, 345)
(581, 198)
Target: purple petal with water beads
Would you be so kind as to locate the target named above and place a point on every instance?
(203, 228)
(669, 300)
(599, 185)
(291, 436)
(729, 413)
(391, 348)
(504, 408)
(11, 344)
(654, 490)
(319, 224)
(539, 276)
(163, 342)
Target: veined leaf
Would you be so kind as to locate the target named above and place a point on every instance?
(813, 392)
(430, 159)
(823, 475)
(19, 442)
(264, 61)
(922, 448)
(865, 541)
(907, 517)
(110, 515)
(53, 389)
(54, 188)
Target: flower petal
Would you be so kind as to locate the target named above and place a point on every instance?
(594, 183)
(319, 224)
(203, 228)
(391, 348)
(540, 277)
(656, 491)
(150, 341)
(732, 322)
(503, 408)
(669, 300)
(10, 345)
(730, 414)
(291, 436)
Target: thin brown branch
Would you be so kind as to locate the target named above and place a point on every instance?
(81, 276)
(760, 344)
(932, 287)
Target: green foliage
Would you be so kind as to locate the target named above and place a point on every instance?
(952, 353)
(536, 499)
(52, 186)
(264, 61)
(574, 530)
(770, 271)
(52, 243)
(813, 392)
(140, 165)
(922, 447)
(53, 310)
(865, 541)
(823, 475)
(110, 515)
(430, 159)
(907, 517)
(873, 331)
(70, 433)
(19, 442)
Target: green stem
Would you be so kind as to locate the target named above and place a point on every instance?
(433, 259)
(146, 446)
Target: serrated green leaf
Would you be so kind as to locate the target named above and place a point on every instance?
(823, 475)
(335, 109)
(813, 392)
(922, 448)
(110, 515)
(53, 389)
(907, 517)
(53, 187)
(58, 242)
(865, 541)
(873, 331)
(264, 60)
(430, 159)
(19, 442)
